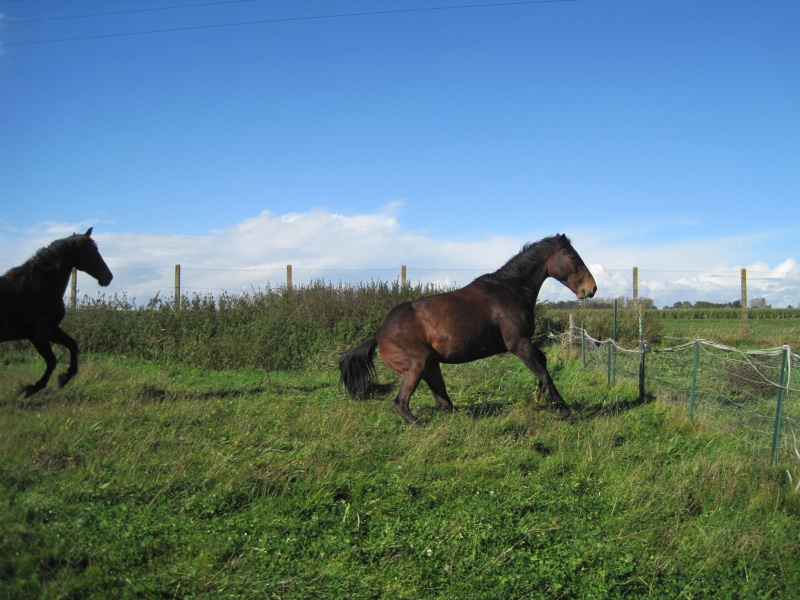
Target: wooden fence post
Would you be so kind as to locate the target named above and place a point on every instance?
(745, 323)
(177, 287)
(403, 276)
(635, 283)
(288, 277)
(73, 289)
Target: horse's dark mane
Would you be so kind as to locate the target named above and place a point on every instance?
(520, 266)
(52, 257)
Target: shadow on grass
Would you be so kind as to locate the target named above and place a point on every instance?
(427, 414)
(483, 410)
(480, 410)
(586, 412)
(159, 394)
(52, 396)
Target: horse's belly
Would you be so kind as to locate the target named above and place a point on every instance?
(10, 332)
(461, 345)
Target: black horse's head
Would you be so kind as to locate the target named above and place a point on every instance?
(568, 267)
(87, 258)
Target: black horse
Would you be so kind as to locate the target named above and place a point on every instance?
(32, 299)
(492, 315)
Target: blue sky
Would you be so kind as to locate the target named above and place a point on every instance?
(664, 135)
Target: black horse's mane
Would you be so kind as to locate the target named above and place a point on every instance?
(51, 257)
(519, 266)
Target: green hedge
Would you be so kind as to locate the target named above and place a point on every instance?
(306, 327)
(276, 329)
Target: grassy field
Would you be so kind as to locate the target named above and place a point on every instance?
(151, 480)
(762, 333)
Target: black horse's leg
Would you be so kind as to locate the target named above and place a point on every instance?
(532, 357)
(60, 337)
(433, 377)
(43, 348)
(401, 401)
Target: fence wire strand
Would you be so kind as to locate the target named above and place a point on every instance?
(736, 390)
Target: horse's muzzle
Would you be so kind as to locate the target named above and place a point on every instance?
(586, 292)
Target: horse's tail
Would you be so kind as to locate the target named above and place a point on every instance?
(357, 370)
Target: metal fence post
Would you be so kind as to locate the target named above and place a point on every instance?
(745, 323)
(177, 287)
(612, 351)
(73, 290)
(694, 379)
(583, 346)
(641, 356)
(779, 408)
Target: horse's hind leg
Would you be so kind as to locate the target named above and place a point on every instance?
(60, 337)
(403, 398)
(433, 377)
(43, 348)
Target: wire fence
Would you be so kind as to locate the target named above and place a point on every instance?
(659, 289)
(747, 394)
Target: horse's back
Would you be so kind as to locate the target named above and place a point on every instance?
(453, 327)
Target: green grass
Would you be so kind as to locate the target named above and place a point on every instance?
(146, 480)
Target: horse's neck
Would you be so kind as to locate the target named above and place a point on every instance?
(524, 286)
(62, 279)
(55, 278)
(533, 283)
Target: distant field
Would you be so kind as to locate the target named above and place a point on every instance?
(762, 332)
(767, 328)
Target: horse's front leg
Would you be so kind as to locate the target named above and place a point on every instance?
(538, 354)
(433, 377)
(43, 348)
(60, 337)
(535, 360)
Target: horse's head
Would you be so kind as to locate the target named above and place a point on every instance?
(87, 258)
(567, 266)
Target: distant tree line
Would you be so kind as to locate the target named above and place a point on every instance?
(647, 303)
(621, 302)
(704, 304)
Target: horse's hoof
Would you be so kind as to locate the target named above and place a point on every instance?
(29, 390)
(565, 413)
(63, 379)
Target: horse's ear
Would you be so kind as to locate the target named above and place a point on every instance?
(88, 232)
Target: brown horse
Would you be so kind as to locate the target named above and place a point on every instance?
(32, 299)
(492, 315)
